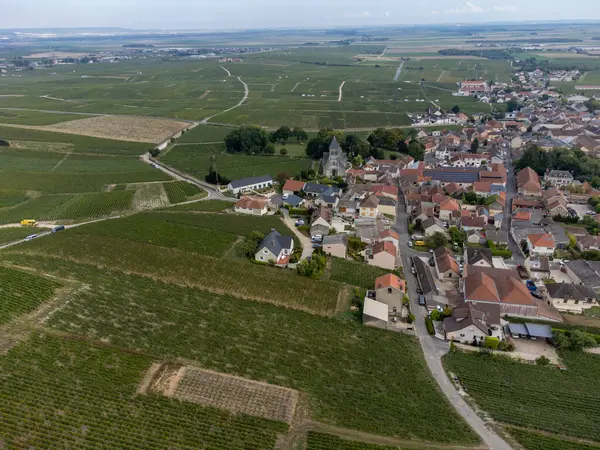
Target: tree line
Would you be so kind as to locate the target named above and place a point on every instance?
(252, 139)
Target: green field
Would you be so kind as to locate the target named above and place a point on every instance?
(11, 197)
(21, 292)
(355, 273)
(35, 208)
(206, 205)
(180, 191)
(324, 441)
(197, 160)
(330, 359)
(92, 205)
(537, 441)
(543, 398)
(15, 233)
(60, 392)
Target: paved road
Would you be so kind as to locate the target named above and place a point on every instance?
(399, 71)
(213, 193)
(434, 349)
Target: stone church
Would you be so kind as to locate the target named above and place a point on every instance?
(335, 161)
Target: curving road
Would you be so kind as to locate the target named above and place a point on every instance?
(240, 103)
(433, 348)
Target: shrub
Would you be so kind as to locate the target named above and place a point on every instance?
(154, 152)
(491, 342)
(410, 318)
(504, 253)
(314, 267)
(542, 361)
(429, 325)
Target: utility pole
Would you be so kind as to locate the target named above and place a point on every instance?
(214, 166)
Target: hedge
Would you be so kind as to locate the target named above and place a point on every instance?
(429, 325)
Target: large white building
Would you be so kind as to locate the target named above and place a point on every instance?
(250, 184)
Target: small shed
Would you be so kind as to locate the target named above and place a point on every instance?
(375, 314)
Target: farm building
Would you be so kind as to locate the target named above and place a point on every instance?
(375, 314)
(250, 184)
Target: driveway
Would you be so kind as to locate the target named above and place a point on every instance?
(307, 248)
(434, 349)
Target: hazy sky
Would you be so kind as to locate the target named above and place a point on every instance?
(219, 14)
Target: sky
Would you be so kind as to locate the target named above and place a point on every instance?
(245, 14)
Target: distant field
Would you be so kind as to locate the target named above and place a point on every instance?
(93, 205)
(332, 360)
(197, 159)
(206, 205)
(35, 117)
(324, 441)
(15, 233)
(204, 133)
(549, 399)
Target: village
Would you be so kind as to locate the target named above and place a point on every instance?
(486, 250)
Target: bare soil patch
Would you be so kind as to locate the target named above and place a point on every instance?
(123, 128)
(148, 196)
(204, 95)
(57, 55)
(208, 388)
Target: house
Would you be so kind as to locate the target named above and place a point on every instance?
(375, 314)
(275, 248)
(315, 189)
(558, 178)
(588, 242)
(369, 207)
(472, 324)
(447, 207)
(476, 237)
(256, 206)
(250, 184)
(584, 272)
(471, 223)
(291, 187)
(432, 226)
(390, 235)
(320, 221)
(540, 244)
(381, 254)
(446, 266)
(336, 245)
(569, 297)
(480, 257)
(498, 237)
(390, 289)
(528, 183)
(387, 205)
(335, 161)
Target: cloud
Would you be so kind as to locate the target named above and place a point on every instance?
(386, 14)
(355, 15)
(466, 8)
(506, 8)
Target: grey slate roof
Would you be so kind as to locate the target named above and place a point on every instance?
(475, 255)
(336, 239)
(275, 242)
(425, 277)
(588, 272)
(250, 181)
(570, 291)
(466, 175)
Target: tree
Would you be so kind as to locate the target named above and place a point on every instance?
(512, 105)
(416, 150)
(247, 139)
(250, 245)
(458, 236)
(580, 340)
(475, 145)
(455, 109)
(283, 151)
(282, 134)
(320, 143)
(299, 134)
(282, 177)
(436, 240)
(269, 149)
(313, 267)
(357, 146)
(154, 152)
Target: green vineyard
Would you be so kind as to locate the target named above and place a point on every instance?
(61, 393)
(323, 441)
(93, 205)
(21, 292)
(535, 441)
(179, 191)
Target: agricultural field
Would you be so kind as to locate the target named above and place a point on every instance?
(537, 441)
(92, 205)
(324, 441)
(11, 197)
(141, 228)
(205, 205)
(355, 273)
(263, 342)
(147, 196)
(198, 159)
(204, 133)
(548, 399)
(22, 292)
(12, 234)
(63, 383)
(35, 208)
(181, 191)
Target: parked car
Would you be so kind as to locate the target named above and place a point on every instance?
(537, 295)
(410, 244)
(413, 270)
(419, 291)
(317, 245)
(432, 262)
(531, 285)
(300, 222)
(31, 237)
(430, 250)
(317, 238)
(422, 300)
(58, 228)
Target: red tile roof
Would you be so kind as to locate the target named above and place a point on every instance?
(390, 280)
(248, 202)
(293, 185)
(541, 240)
(389, 233)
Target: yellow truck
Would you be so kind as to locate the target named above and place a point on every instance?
(420, 243)
(29, 222)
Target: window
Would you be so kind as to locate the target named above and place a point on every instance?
(462, 335)
(389, 290)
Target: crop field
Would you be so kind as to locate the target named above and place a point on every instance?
(15, 233)
(52, 390)
(542, 398)
(35, 117)
(239, 278)
(205, 205)
(262, 342)
(92, 205)
(204, 133)
(21, 292)
(140, 228)
(236, 224)
(219, 390)
(11, 197)
(536, 441)
(147, 196)
(324, 441)
(35, 208)
(355, 273)
(180, 191)
(197, 160)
